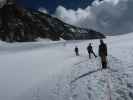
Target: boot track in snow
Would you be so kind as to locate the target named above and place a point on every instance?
(97, 84)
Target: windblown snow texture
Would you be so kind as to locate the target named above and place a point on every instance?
(51, 71)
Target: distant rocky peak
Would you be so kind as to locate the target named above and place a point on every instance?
(23, 25)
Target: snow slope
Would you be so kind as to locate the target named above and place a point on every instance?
(51, 71)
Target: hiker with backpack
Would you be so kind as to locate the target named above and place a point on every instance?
(90, 50)
(103, 54)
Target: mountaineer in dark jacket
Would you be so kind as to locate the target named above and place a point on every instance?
(103, 54)
(90, 51)
(76, 51)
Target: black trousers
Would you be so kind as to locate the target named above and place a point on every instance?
(77, 53)
(104, 62)
(104, 65)
(91, 53)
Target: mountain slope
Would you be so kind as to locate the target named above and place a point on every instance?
(18, 24)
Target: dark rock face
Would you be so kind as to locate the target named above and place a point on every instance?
(21, 25)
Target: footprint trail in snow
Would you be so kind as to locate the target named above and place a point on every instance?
(88, 82)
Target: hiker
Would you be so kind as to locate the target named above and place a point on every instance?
(103, 54)
(76, 51)
(90, 51)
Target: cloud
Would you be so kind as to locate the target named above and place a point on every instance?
(108, 16)
(2, 2)
(74, 17)
(43, 10)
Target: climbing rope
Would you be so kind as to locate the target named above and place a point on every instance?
(108, 80)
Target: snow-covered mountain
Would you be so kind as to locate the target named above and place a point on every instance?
(19, 24)
(31, 71)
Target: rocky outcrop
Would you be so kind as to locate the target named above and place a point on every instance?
(21, 25)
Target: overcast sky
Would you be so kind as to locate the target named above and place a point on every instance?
(108, 16)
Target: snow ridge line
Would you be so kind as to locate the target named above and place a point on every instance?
(86, 74)
(108, 80)
(28, 47)
(108, 77)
